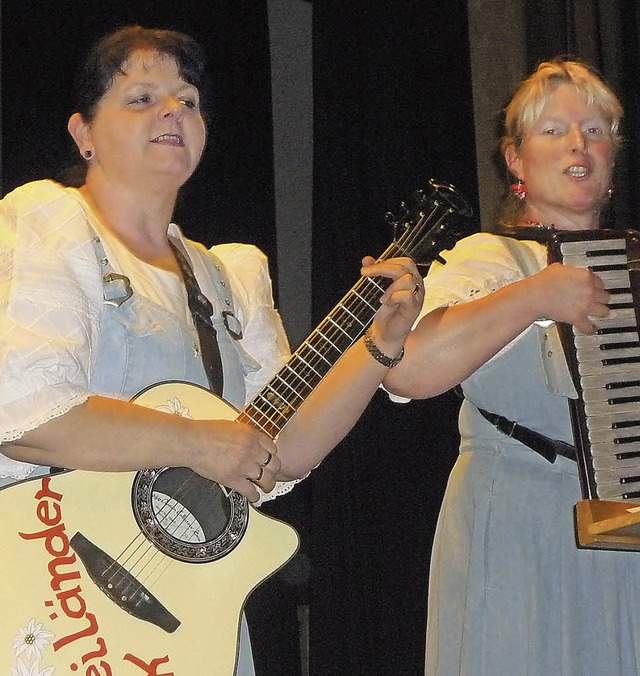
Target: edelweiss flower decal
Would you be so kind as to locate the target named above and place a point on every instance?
(174, 407)
(31, 642)
(32, 670)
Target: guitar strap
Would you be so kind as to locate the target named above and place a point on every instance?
(202, 312)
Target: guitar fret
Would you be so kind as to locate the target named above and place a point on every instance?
(327, 361)
(300, 375)
(292, 389)
(346, 309)
(282, 406)
(275, 414)
(271, 424)
(247, 416)
(339, 327)
(331, 343)
(364, 300)
(309, 366)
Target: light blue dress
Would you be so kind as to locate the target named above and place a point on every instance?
(510, 594)
(61, 343)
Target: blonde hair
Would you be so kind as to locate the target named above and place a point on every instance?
(532, 95)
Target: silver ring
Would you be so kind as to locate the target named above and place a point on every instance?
(416, 290)
(259, 477)
(268, 460)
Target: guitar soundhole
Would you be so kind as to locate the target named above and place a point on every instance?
(186, 516)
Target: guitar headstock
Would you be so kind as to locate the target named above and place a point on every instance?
(431, 221)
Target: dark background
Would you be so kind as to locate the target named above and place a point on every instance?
(397, 99)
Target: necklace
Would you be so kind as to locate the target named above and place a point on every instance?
(536, 224)
(539, 232)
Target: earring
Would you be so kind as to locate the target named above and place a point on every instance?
(610, 192)
(519, 190)
(87, 154)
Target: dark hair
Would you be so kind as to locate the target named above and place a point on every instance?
(108, 58)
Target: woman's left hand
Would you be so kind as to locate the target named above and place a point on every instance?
(400, 303)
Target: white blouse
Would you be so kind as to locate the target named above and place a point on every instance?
(51, 296)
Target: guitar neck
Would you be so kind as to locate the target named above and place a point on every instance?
(421, 239)
(272, 408)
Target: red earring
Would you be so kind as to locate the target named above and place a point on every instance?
(519, 190)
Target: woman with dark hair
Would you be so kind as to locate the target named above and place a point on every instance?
(94, 306)
(509, 592)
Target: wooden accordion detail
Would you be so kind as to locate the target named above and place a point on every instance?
(605, 368)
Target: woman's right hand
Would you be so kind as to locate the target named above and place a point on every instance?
(234, 455)
(569, 294)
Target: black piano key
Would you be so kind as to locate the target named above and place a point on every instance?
(620, 346)
(622, 400)
(620, 306)
(611, 267)
(593, 253)
(622, 383)
(630, 496)
(629, 479)
(628, 456)
(626, 440)
(620, 360)
(621, 424)
(612, 330)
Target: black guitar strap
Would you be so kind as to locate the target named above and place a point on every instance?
(202, 311)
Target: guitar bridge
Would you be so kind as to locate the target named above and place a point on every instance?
(122, 587)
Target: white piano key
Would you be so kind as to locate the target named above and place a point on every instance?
(601, 414)
(594, 368)
(604, 462)
(611, 491)
(600, 341)
(608, 435)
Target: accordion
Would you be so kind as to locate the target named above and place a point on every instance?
(605, 368)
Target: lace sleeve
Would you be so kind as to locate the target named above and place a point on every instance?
(49, 308)
(477, 266)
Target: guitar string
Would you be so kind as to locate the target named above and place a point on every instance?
(315, 364)
(124, 560)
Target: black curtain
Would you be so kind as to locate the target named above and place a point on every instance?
(393, 108)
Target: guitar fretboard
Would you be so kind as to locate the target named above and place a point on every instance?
(276, 403)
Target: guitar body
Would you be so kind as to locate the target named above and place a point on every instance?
(97, 582)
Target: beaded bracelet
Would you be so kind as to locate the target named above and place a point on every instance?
(378, 355)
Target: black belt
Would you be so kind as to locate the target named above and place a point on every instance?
(549, 449)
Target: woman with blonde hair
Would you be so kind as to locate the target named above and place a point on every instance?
(510, 593)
